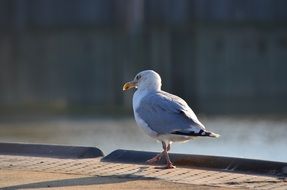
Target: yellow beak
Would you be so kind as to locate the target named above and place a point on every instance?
(129, 85)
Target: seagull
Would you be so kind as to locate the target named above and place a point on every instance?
(162, 115)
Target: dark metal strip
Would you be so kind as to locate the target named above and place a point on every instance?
(55, 151)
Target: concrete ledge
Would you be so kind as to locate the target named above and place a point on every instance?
(199, 161)
(55, 151)
(260, 167)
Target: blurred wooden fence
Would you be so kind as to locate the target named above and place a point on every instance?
(223, 56)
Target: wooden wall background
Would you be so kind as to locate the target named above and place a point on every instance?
(223, 56)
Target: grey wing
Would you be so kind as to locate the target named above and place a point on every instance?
(166, 113)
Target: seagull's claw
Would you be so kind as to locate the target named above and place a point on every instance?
(154, 159)
(151, 161)
(170, 166)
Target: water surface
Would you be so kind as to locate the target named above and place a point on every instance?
(255, 138)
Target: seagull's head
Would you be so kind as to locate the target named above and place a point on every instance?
(145, 80)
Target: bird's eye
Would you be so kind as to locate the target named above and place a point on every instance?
(138, 77)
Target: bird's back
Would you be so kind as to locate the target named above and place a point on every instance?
(166, 113)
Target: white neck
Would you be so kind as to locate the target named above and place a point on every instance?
(150, 86)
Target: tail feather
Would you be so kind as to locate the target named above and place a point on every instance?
(211, 134)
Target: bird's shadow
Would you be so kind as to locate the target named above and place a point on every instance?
(83, 181)
(154, 166)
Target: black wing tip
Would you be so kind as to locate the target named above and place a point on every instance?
(200, 133)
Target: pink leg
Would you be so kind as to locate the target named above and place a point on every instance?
(157, 157)
(169, 164)
(154, 159)
(168, 147)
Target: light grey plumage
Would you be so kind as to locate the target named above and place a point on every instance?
(166, 113)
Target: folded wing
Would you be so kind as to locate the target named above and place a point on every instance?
(165, 113)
